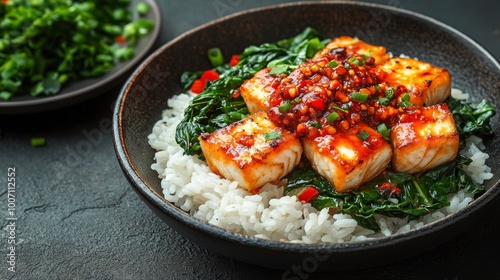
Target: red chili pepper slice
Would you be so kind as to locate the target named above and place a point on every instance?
(210, 75)
(120, 40)
(198, 86)
(234, 60)
(389, 188)
(318, 104)
(308, 194)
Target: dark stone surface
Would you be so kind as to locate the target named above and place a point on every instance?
(77, 217)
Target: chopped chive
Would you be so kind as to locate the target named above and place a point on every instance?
(215, 56)
(285, 106)
(383, 130)
(272, 135)
(37, 142)
(363, 135)
(384, 101)
(332, 117)
(5, 95)
(142, 8)
(332, 63)
(359, 96)
(315, 124)
(389, 93)
(405, 100)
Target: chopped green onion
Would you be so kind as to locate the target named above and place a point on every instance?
(215, 56)
(272, 135)
(332, 63)
(363, 135)
(359, 96)
(142, 8)
(384, 101)
(297, 100)
(332, 117)
(405, 100)
(383, 130)
(285, 106)
(377, 87)
(5, 95)
(37, 142)
(389, 93)
(354, 61)
(315, 124)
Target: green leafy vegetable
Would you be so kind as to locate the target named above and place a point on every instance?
(471, 118)
(419, 194)
(217, 107)
(45, 44)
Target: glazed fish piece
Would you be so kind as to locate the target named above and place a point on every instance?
(423, 138)
(354, 45)
(256, 91)
(345, 159)
(427, 84)
(252, 151)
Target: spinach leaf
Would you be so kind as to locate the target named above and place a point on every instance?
(419, 194)
(216, 106)
(471, 118)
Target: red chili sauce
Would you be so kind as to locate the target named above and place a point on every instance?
(333, 94)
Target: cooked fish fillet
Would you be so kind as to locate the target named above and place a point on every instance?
(353, 45)
(427, 84)
(256, 91)
(252, 151)
(346, 160)
(424, 137)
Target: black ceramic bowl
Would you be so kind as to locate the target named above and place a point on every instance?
(145, 95)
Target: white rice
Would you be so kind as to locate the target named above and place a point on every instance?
(188, 183)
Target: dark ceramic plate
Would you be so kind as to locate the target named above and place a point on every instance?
(84, 89)
(145, 95)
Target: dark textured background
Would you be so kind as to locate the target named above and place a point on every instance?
(79, 219)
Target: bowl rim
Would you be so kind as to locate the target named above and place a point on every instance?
(140, 185)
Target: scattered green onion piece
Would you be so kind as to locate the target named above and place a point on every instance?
(363, 135)
(383, 130)
(283, 108)
(359, 96)
(315, 124)
(332, 63)
(142, 8)
(332, 117)
(384, 101)
(215, 56)
(297, 100)
(5, 95)
(272, 135)
(405, 100)
(389, 93)
(38, 142)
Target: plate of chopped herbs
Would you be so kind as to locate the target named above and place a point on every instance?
(58, 53)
